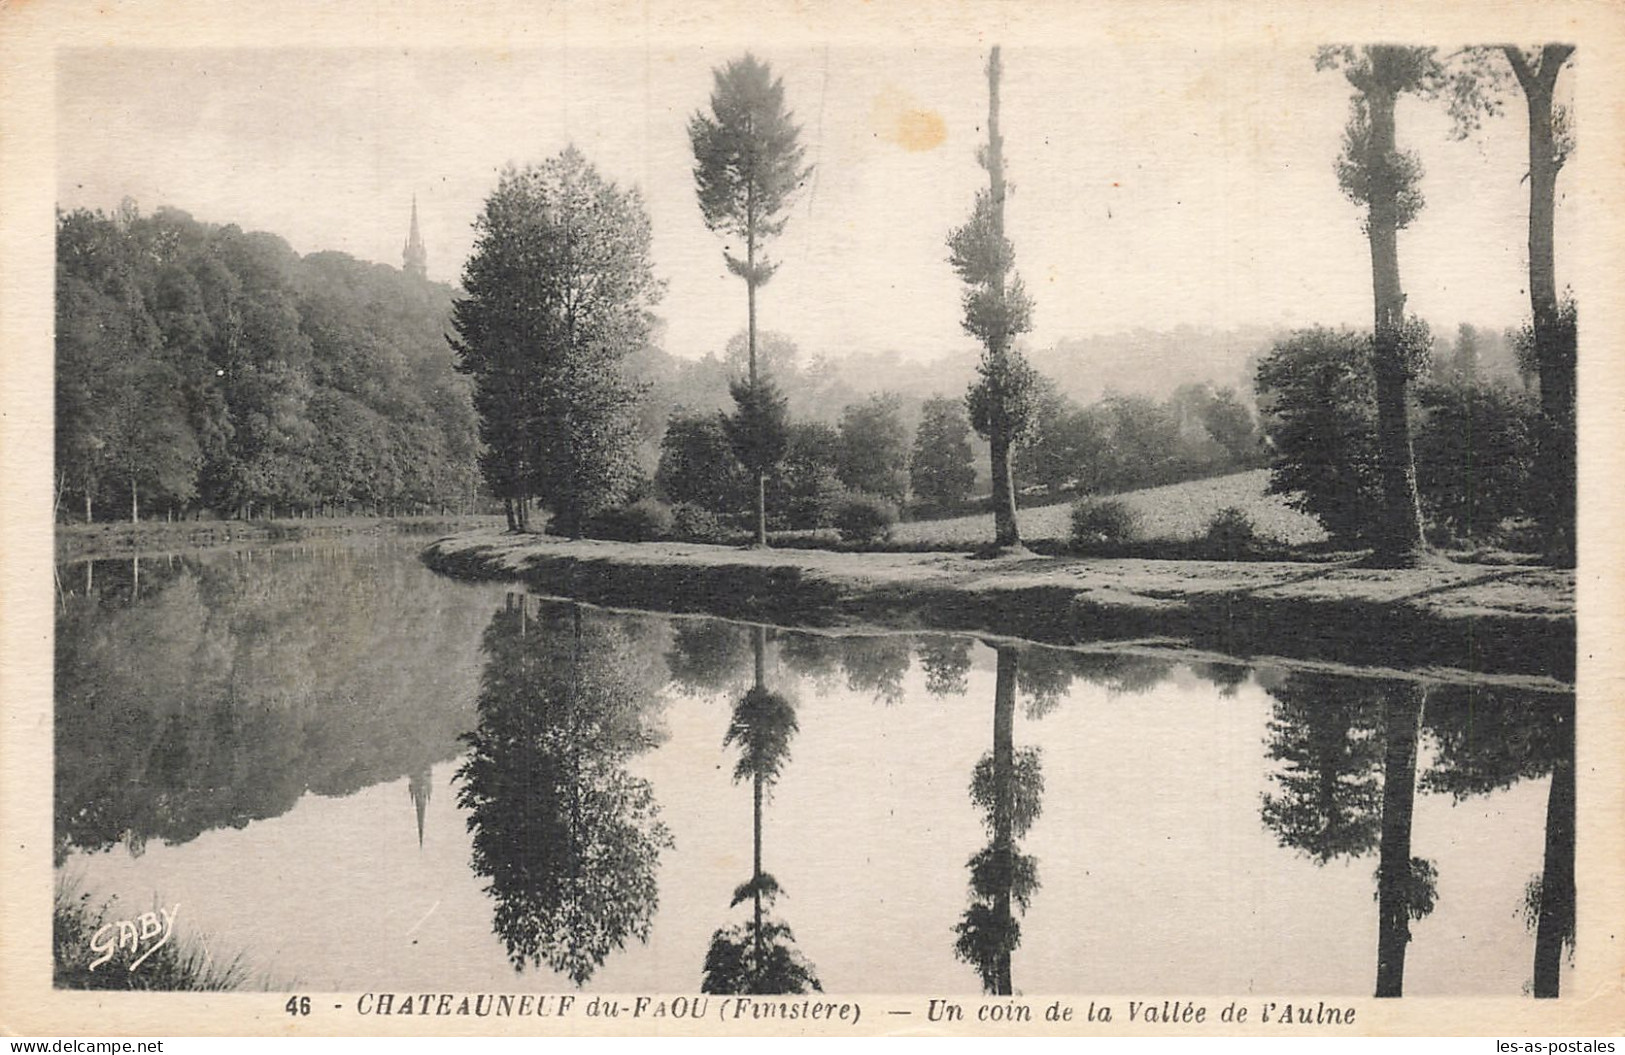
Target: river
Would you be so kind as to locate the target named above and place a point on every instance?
(359, 775)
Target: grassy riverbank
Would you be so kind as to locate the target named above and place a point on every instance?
(1467, 617)
(121, 539)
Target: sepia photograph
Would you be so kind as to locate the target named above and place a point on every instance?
(1003, 519)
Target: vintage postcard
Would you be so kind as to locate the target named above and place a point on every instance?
(830, 519)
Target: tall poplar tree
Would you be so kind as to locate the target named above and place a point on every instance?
(1002, 401)
(1376, 174)
(747, 167)
(1555, 329)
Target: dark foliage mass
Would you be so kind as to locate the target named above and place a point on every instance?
(567, 839)
(560, 287)
(1474, 440)
(1123, 442)
(204, 368)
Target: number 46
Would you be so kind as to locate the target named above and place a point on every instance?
(297, 1005)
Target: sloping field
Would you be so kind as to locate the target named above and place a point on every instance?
(1176, 511)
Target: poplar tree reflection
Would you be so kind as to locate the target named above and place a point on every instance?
(759, 955)
(1006, 787)
(567, 838)
(1333, 736)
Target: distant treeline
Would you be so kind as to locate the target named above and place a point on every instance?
(202, 368)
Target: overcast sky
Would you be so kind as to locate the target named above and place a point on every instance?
(1155, 185)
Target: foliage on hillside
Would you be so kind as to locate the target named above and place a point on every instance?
(200, 367)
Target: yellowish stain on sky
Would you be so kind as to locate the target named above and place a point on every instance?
(898, 118)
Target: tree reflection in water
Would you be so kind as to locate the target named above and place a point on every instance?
(758, 955)
(1006, 787)
(567, 838)
(1490, 738)
(1347, 784)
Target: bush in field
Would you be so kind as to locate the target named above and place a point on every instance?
(642, 521)
(865, 518)
(698, 466)
(942, 472)
(874, 447)
(693, 523)
(1097, 521)
(1475, 455)
(1319, 403)
(803, 489)
(1230, 533)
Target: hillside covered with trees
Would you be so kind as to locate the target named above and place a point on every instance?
(202, 369)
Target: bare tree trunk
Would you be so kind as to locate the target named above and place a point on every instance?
(1006, 534)
(1398, 537)
(1554, 344)
(750, 344)
(135, 508)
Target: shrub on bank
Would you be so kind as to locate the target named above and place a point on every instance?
(1230, 533)
(693, 523)
(645, 520)
(865, 518)
(1103, 521)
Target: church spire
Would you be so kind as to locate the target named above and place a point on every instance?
(414, 257)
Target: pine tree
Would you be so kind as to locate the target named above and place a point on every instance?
(747, 167)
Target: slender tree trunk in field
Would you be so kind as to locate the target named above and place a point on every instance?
(1398, 538)
(750, 297)
(135, 507)
(1554, 344)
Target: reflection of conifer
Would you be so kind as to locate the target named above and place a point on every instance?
(568, 840)
(1007, 786)
(758, 955)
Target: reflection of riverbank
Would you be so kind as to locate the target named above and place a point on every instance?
(299, 707)
(76, 542)
(1476, 619)
(212, 690)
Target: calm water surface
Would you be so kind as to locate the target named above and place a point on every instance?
(361, 775)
